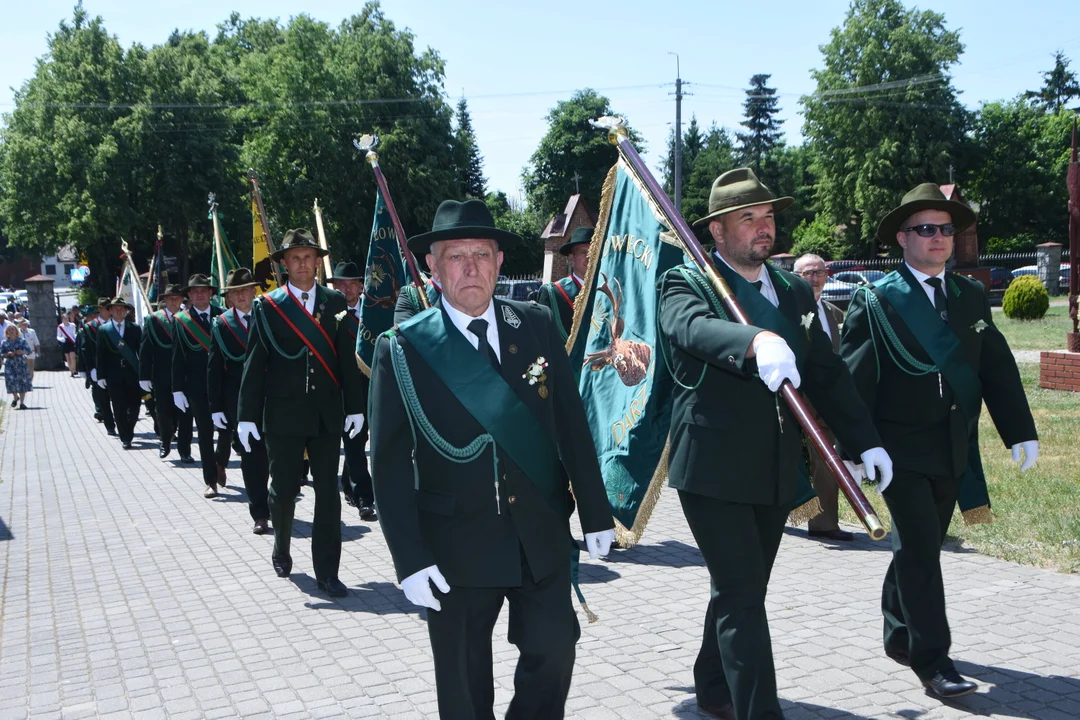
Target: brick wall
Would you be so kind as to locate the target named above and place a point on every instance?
(1059, 370)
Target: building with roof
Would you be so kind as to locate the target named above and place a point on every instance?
(576, 214)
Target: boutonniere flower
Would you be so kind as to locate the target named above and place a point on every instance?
(535, 375)
(806, 321)
(979, 326)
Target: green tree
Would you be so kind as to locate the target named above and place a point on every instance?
(817, 237)
(763, 128)
(791, 173)
(571, 149)
(1059, 86)
(885, 116)
(692, 144)
(717, 156)
(470, 163)
(527, 258)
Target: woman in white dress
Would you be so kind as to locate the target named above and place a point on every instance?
(31, 338)
(65, 335)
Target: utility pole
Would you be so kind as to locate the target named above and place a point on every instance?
(678, 133)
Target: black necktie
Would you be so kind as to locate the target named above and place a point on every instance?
(478, 327)
(204, 319)
(355, 313)
(303, 299)
(757, 285)
(939, 298)
(245, 316)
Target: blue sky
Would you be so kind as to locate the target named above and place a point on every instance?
(515, 60)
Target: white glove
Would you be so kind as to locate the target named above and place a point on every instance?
(246, 431)
(599, 543)
(93, 375)
(857, 471)
(101, 383)
(876, 459)
(180, 400)
(146, 385)
(418, 589)
(219, 421)
(354, 424)
(1031, 453)
(775, 361)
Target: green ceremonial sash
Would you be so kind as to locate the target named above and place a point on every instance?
(122, 347)
(162, 325)
(234, 328)
(941, 344)
(487, 397)
(195, 337)
(563, 291)
(308, 329)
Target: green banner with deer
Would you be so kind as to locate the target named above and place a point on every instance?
(625, 384)
(384, 275)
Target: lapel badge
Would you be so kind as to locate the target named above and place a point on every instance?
(510, 317)
(512, 348)
(536, 376)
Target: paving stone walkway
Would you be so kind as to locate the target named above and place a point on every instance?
(125, 594)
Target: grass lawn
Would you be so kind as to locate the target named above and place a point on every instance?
(1045, 334)
(1037, 514)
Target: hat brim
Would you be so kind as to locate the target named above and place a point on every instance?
(128, 305)
(178, 293)
(420, 245)
(279, 254)
(780, 203)
(963, 217)
(227, 288)
(188, 288)
(337, 278)
(565, 249)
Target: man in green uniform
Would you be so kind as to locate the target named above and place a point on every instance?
(225, 369)
(735, 445)
(408, 302)
(472, 472)
(155, 374)
(292, 390)
(88, 360)
(925, 354)
(355, 477)
(117, 368)
(191, 352)
(559, 296)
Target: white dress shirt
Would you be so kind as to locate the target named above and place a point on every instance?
(355, 310)
(461, 322)
(298, 294)
(767, 288)
(119, 328)
(928, 289)
(201, 314)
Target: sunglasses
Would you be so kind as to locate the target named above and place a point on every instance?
(929, 230)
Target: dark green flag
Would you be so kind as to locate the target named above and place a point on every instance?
(625, 384)
(384, 274)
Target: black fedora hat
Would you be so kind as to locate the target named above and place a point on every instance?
(297, 238)
(347, 271)
(237, 279)
(118, 300)
(580, 236)
(927, 196)
(462, 221)
(173, 289)
(198, 280)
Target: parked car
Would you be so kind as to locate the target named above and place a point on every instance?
(859, 277)
(838, 292)
(835, 266)
(1063, 275)
(516, 289)
(1000, 278)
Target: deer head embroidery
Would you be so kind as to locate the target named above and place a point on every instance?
(629, 358)
(379, 272)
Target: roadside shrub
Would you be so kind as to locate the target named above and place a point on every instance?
(1026, 299)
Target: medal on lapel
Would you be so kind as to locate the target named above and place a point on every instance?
(536, 376)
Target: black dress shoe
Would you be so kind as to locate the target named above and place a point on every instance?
(949, 684)
(333, 587)
(112, 433)
(127, 444)
(350, 501)
(367, 511)
(724, 712)
(187, 459)
(838, 534)
(164, 450)
(261, 527)
(282, 565)
(899, 656)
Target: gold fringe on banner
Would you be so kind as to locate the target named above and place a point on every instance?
(978, 516)
(629, 538)
(595, 249)
(805, 512)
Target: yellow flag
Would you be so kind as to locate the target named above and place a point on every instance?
(262, 265)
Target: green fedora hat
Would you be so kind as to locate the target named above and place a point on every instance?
(120, 301)
(103, 302)
(237, 279)
(580, 236)
(297, 238)
(173, 289)
(462, 221)
(347, 271)
(198, 280)
(738, 189)
(927, 196)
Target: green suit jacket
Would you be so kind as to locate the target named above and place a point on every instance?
(727, 441)
(919, 420)
(285, 390)
(559, 297)
(452, 519)
(408, 302)
(156, 353)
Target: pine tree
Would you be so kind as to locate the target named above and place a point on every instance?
(1059, 86)
(760, 108)
(692, 145)
(470, 163)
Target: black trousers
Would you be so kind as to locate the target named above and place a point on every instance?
(126, 399)
(544, 628)
(355, 476)
(171, 422)
(255, 466)
(913, 594)
(739, 544)
(210, 455)
(286, 453)
(103, 406)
